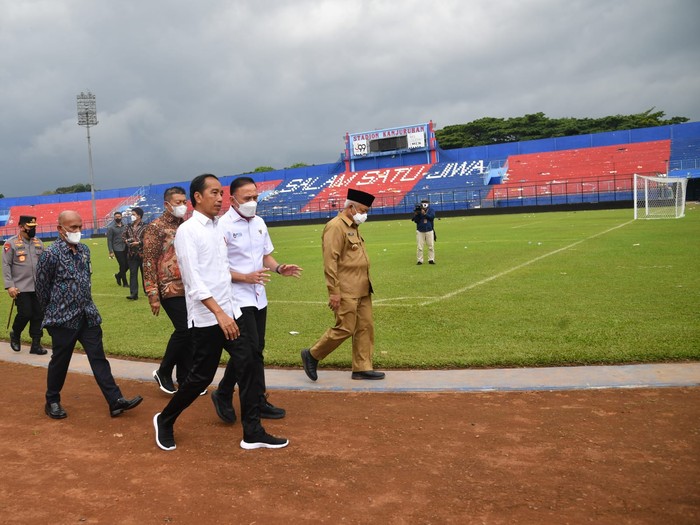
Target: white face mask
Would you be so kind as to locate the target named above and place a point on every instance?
(247, 209)
(179, 211)
(73, 237)
(359, 218)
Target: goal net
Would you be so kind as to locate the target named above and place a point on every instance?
(659, 197)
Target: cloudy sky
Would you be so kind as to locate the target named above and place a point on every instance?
(225, 86)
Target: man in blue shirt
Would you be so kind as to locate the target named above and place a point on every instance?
(64, 290)
(424, 217)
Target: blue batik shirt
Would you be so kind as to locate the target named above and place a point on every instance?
(63, 286)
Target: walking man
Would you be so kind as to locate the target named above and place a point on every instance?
(346, 267)
(20, 256)
(117, 247)
(133, 237)
(250, 260)
(163, 285)
(64, 290)
(211, 310)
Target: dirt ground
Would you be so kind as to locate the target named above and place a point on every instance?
(594, 456)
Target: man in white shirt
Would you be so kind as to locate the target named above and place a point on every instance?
(211, 310)
(250, 260)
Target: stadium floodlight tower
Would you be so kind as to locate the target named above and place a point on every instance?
(87, 116)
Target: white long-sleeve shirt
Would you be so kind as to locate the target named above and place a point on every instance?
(201, 256)
(247, 243)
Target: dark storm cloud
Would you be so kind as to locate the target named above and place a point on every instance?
(185, 87)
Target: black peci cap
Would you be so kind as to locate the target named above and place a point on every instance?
(360, 197)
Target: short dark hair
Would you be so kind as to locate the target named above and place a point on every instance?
(138, 211)
(117, 213)
(175, 190)
(198, 184)
(238, 182)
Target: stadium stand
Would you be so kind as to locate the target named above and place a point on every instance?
(577, 169)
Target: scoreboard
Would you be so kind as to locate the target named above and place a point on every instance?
(390, 141)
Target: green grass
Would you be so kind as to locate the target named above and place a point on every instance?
(508, 290)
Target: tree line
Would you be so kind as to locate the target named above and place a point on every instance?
(489, 130)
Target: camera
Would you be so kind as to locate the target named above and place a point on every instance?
(417, 209)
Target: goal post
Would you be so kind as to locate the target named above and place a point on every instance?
(659, 197)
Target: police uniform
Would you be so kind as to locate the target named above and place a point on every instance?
(19, 261)
(346, 268)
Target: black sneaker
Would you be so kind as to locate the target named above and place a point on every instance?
(270, 411)
(165, 383)
(224, 408)
(263, 440)
(164, 435)
(419, 263)
(310, 364)
(431, 262)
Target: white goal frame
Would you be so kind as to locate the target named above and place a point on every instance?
(659, 197)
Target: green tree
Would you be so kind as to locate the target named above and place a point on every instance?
(490, 130)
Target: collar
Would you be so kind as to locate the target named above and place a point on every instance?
(203, 219)
(169, 218)
(65, 246)
(347, 220)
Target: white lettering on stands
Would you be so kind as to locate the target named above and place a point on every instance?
(294, 185)
(458, 169)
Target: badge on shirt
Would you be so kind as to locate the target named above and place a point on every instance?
(6, 247)
(22, 258)
(260, 232)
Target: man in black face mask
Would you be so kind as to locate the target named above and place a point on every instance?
(117, 248)
(20, 256)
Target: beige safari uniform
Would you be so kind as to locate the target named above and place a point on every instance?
(346, 267)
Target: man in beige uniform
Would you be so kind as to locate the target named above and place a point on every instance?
(346, 267)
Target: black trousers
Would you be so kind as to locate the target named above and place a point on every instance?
(123, 266)
(208, 344)
(254, 322)
(135, 264)
(63, 341)
(28, 311)
(178, 352)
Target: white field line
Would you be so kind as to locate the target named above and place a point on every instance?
(519, 266)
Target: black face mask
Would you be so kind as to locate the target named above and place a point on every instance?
(118, 221)
(31, 232)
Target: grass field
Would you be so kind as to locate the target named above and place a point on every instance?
(538, 289)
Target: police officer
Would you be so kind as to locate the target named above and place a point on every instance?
(20, 256)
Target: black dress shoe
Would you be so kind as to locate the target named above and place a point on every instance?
(122, 404)
(55, 411)
(310, 364)
(15, 343)
(224, 408)
(132, 297)
(36, 347)
(368, 374)
(270, 411)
